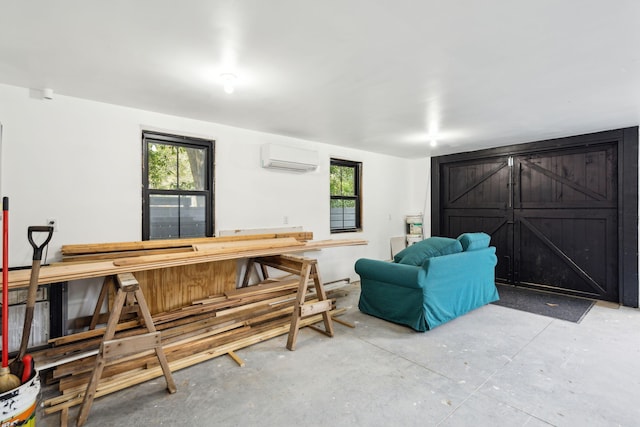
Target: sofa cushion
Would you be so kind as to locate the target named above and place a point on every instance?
(418, 253)
(473, 241)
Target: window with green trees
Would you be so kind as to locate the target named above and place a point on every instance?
(346, 201)
(177, 200)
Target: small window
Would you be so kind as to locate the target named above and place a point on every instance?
(177, 187)
(346, 202)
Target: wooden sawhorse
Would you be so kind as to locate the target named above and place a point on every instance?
(111, 349)
(130, 306)
(306, 268)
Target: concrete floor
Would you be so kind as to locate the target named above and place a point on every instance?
(492, 367)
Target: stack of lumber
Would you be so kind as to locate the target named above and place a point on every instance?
(203, 330)
(210, 317)
(109, 251)
(102, 259)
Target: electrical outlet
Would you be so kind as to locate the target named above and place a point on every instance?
(53, 223)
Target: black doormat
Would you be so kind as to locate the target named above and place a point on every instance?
(558, 306)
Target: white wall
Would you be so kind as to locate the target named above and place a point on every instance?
(79, 162)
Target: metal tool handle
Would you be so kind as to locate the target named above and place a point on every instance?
(37, 250)
(5, 282)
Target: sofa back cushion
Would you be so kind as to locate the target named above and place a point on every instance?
(418, 253)
(473, 241)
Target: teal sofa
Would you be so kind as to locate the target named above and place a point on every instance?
(430, 282)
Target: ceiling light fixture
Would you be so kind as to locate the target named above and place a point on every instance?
(228, 81)
(433, 143)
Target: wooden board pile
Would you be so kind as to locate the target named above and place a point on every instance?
(204, 330)
(222, 321)
(98, 260)
(111, 251)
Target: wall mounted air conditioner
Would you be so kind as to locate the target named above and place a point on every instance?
(288, 158)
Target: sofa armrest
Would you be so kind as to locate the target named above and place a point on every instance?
(456, 284)
(389, 272)
(457, 267)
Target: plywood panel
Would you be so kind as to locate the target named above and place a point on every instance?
(169, 288)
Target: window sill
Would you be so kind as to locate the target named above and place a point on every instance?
(347, 230)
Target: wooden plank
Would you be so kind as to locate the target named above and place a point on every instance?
(91, 334)
(93, 248)
(299, 301)
(343, 322)
(64, 417)
(74, 271)
(127, 282)
(249, 268)
(245, 307)
(275, 262)
(125, 346)
(104, 291)
(220, 247)
(215, 306)
(194, 310)
(319, 307)
(287, 310)
(262, 288)
(309, 269)
(161, 261)
(215, 249)
(67, 361)
(285, 262)
(210, 299)
(148, 322)
(322, 296)
(100, 361)
(123, 254)
(235, 358)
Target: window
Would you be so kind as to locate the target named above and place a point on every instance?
(345, 177)
(177, 196)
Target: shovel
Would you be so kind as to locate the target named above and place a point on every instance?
(33, 286)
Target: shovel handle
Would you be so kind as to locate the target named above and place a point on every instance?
(37, 250)
(33, 284)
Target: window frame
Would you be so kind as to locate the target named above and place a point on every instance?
(208, 192)
(357, 197)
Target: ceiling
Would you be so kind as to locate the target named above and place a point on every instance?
(384, 76)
